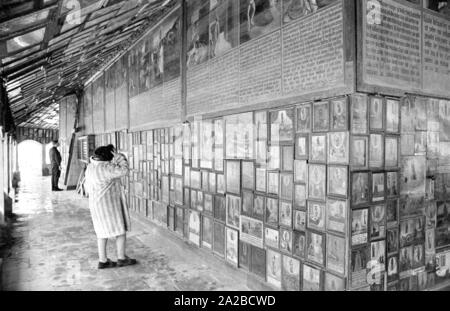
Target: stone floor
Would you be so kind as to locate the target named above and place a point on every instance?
(55, 249)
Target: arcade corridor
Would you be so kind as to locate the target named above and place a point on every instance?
(55, 249)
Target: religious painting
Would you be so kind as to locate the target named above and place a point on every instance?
(420, 142)
(198, 32)
(286, 240)
(359, 114)
(286, 186)
(300, 195)
(259, 17)
(285, 217)
(302, 147)
(220, 208)
(208, 203)
(392, 116)
(248, 175)
(317, 182)
(223, 27)
(337, 181)
(290, 274)
(233, 176)
(376, 151)
(333, 283)
(299, 220)
(220, 183)
(336, 213)
(239, 136)
(378, 187)
(205, 181)
(261, 152)
(378, 254)
(282, 125)
(392, 213)
(233, 206)
(133, 64)
(405, 259)
(194, 227)
(261, 125)
(260, 174)
(171, 45)
(413, 175)
(360, 226)
(444, 120)
(316, 215)
(287, 158)
(271, 216)
(212, 182)
(244, 255)
(392, 267)
(442, 225)
(273, 268)
(338, 148)
(272, 237)
(247, 203)
(231, 245)
(299, 244)
(358, 267)
(300, 171)
(273, 182)
(294, 9)
(420, 108)
(258, 262)
(321, 117)
(359, 152)
(318, 151)
(392, 241)
(336, 251)
(316, 247)
(392, 189)
(207, 232)
(391, 151)
(360, 188)
(339, 114)
(376, 113)
(430, 214)
(274, 158)
(311, 279)
(259, 205)
(304, 118)
(378, 221)
(251, 231)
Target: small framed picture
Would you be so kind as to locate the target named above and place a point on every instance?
(359, 151)
(376, 151)
(259, 205)
(218, 159)
(300, 195)
(248, 175)
(221, 183)
(282, 125)
(420, 142)
(300, 171)
(338, 148)
(299, 220)
(285, 218)
(391, 151)
(392, 241)
(317, 182)
(315, 247)
(299, 244)
(273, 269)
(316, 215)
(304, 118)
(233, 205)
(333, 283)
(376, 113)
(261, 152)
(360, 188)
(212, 182)
(378, 253)
(336, 251)
(273, 183)
(233, 173)
(358, 114)
(286, 186)
(290, 276)
(208, 203)
(377, 221)
(318, 151)
(337, 216)
(360, 226)
(271, 212)
(339, 114)
(337, 180)
(274, 158)
(247, 203)
(260, 118)
(392, 269)
(286, 240)
(321, 119)
(261, 179)
(220, 208)
(287, 158)
(392, 116)
(312, 278)
(272, 237)
(302, 147)
(392, 213)
(205, 181)
(378, 187)
(232, 241)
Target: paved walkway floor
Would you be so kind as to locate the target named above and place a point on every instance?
(55, 249)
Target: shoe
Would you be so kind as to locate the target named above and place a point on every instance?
(107, 264)
(57, 189)
(126, 262)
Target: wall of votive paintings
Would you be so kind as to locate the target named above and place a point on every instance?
(349, 193)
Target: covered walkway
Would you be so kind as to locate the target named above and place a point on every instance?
(55, 249)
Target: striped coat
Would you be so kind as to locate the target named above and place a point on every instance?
(108, 208)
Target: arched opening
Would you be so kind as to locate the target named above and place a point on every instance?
(30, 160)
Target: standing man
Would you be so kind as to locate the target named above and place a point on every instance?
(55, 160)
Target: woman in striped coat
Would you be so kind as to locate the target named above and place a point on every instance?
(108, 210)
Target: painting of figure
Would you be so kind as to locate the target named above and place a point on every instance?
(223, 26)
(259, 17)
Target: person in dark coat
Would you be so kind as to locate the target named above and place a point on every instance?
(55, 160)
